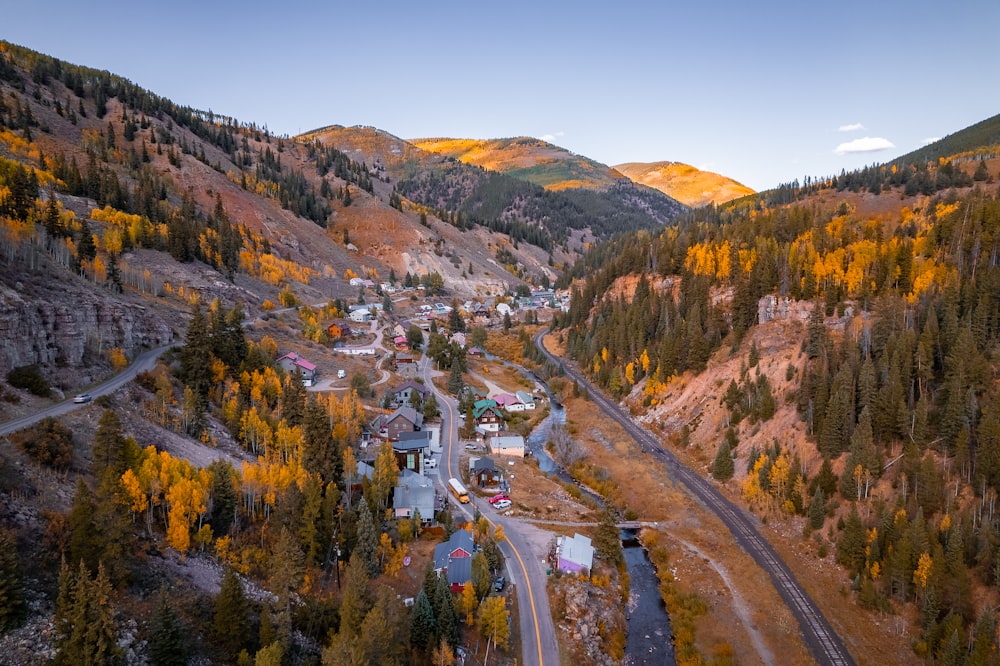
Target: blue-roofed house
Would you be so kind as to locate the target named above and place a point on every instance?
(453, 558)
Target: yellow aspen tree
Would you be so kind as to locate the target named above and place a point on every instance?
(136, 497)
(468, 602)
(923, 570)
(498, 534)
(118, 360)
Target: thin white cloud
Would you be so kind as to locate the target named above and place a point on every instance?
(551, 137)
(866, 145)
(853, 127)
(931, 140)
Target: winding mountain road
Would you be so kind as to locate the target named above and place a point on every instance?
(144, 361)
(821, 640)
(526, 567)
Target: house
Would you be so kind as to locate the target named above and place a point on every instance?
(405, 365)
(399, 330)
(479, 311)
(508, 402)
(361, 315)
(338, 329)
(575, 555)
(484, 471)
(504, 309)
(413, 494)
(454, 559)
(411, 448)
(404, 419)
(366, 350)
(507, 445)
(292, 362)
(487, 415)
(474, 351)
(404, 395)
(458, 337)
(526, 399)
(401, 343)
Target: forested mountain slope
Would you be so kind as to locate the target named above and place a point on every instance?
(883, 379)
(469, 196)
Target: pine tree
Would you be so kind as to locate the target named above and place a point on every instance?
(231, 621)
(111, 451)
(367, 546)
(851, 545)
(607, 540)
(12, 606)
(85, 248)
(423, 628)
(320, 453)
(356, 599)
(723, 467)
(444, 612)
(85, 620)
(287, 575)
(293, 399)
(83, 546)
(168, 640)
(455, 380)
(224, 498)
(817, 509)
(196, 354)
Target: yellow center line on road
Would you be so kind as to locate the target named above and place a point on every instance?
(524, 570)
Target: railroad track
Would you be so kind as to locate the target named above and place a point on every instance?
(821, 640)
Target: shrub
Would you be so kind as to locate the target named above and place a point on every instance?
(29, 377)
(49, 443)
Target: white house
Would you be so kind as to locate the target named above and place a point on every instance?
(575, 554)
(526, 400)
(360, 315)
(511, 446)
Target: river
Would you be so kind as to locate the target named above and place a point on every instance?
(649, 634)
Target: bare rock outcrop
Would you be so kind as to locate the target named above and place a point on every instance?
(72, 328)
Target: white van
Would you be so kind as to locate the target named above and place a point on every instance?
(341, 374)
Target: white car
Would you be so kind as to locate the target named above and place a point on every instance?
(430, 463)
(501, 505)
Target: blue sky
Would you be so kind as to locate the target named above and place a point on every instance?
(760, 92)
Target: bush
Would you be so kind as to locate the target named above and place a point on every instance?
(49, 443)
(29, 377)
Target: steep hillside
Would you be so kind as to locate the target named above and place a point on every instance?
(829, 353)
(530, 159)
(467, 196)
(692, 187)
(979, 140)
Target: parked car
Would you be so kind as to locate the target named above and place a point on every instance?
(499, 583)
(82, 397)
(501, 505)
(341, 374)
(430, 463)
(497, 498)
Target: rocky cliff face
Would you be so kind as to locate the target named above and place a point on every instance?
(68, 330)
(593, 621)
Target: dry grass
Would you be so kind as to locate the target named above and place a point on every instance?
(687, 530)
(690, 532)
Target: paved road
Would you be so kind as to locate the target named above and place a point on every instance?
(144, 361)
(526, 570)
(822, 641)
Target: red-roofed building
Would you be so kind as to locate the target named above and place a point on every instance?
(292, 362)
